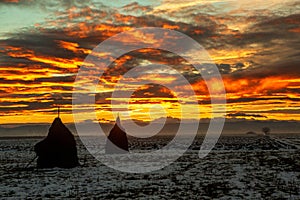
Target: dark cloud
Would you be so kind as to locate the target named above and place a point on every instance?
(284, 68)
(153, 90)
(253, 99)
(241, 114)
(136, 8)
(53, 5)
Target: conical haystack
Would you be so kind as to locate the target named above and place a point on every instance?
(58, 149)
(117, 141)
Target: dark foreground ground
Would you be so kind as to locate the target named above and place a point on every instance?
(240, 167)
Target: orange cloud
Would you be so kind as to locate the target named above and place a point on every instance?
(72, 46)
(295, 30)
(238, 87)
(12, 1)
(17, 52)
(168, 26)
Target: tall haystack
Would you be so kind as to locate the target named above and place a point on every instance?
(117, 142)
(58, 149)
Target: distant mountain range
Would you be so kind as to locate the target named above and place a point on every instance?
(231, 127)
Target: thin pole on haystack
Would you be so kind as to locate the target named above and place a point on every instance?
(58, 110)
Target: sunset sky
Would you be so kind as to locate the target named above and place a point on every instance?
(255, 44)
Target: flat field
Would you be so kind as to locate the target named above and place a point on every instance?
(239, 167)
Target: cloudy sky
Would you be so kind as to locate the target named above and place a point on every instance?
(255, 45)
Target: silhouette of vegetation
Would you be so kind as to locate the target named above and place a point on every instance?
(266, 130)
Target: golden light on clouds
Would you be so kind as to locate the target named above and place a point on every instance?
(254, 45)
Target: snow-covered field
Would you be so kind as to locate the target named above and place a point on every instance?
(240, 167)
